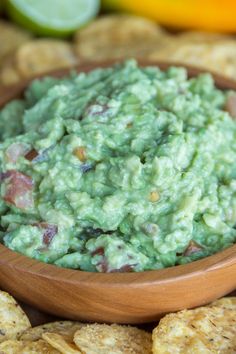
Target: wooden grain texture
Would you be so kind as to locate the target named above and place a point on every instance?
(120, 297)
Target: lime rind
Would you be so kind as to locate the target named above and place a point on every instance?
(59, 21)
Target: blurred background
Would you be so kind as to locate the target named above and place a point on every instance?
(39, 36)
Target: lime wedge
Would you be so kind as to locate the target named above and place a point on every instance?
(58, 18)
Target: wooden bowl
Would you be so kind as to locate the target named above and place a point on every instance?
(116, 297)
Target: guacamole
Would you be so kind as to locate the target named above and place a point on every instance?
(120, 169)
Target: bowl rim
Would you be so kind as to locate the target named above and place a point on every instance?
(219, 260)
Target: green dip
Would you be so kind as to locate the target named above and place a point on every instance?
(120, 169)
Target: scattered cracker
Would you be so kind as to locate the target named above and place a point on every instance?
(41, 55)
(202, 330)
(39, 347)
(65, 328)
(118, 36)
(9, 74)
(11, 346)
(12, 37)
(20, 347)
(115, 339)
(219, 56)
(13, 321)
(200, 37)
(226, 303)
(57, 341)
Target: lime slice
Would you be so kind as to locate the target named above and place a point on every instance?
(58, 18)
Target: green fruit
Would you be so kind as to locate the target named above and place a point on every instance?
(58, 18)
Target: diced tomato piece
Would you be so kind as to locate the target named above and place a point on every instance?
(31, 155)
(102, 266)
(99, 251)
(127, 268)
(230, 105)
(193, 247)
(16, 150)
(95, 109)
(49, 231)
(18, 189)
